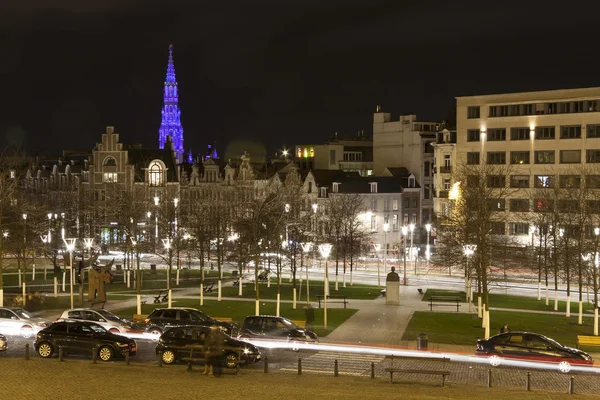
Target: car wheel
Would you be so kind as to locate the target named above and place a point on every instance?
(155, 331)
(26, 331)
(114, 330)
(495, 360)
(231, 360)
(45, 350)
(168, 357)
(564, 367)
(105, 353)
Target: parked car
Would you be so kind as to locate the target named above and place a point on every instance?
(3, 343)
(80, 337)
(530, 346)
(17, 321)
(104, 318)
(161, 319)
(269, 327)
(175, 341)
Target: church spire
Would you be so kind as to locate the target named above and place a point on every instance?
(171, 115)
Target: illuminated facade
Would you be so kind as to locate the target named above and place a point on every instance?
(171, 115)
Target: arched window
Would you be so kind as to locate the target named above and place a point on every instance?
(109, 162)
(155, 174)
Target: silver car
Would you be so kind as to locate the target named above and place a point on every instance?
(104, 318)
(17, 321)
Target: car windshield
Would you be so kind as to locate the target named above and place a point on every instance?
(200, 316)
(21, 313)
(108, 315)
(288, 323)
(98, 328)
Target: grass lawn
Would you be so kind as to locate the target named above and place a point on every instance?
(240, 309)
(517, 302)
(465, 329)
(360, 292)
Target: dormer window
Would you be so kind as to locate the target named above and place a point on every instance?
(411, 181)
(373, 187)
(323, 192)
(155, 174)
(335, 187)
(109, 162)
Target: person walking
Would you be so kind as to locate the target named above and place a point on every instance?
(505, 328)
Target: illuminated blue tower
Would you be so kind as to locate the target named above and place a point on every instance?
(171, 122)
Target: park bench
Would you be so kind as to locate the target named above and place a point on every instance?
(444, 301)
(588, 340)
(165, 297)
(408, 370)
(333, 299)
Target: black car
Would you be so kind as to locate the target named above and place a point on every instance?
(269, 327)
(80, 337)
(175, 343)
(530, 346)
(163, 318)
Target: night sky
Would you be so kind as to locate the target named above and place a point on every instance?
(273, 72)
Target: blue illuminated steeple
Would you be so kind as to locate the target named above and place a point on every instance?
(171, 122)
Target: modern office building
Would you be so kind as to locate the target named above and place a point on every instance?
(547, 139)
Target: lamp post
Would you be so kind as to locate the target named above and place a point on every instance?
(138, 278)
(469, 250)
(155, 222)
(377, 247)
(411, 228)
(404, 233)
(325, 249)
(23, 278)
(428, 249)
(386, 226)
(88, 242)
(167, 244)
(70, 243)
(306, 248)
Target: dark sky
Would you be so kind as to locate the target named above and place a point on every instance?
(276, 72)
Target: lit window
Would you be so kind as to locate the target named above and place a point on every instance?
(110, 177)
(156, 177)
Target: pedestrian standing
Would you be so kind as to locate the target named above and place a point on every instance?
(213, 349)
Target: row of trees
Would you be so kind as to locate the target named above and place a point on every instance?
(553, 229)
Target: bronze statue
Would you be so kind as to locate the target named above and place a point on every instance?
(97, 278)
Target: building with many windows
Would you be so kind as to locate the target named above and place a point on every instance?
(547, 140)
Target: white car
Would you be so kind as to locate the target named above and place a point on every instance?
(17, 321)
(104, 318)
(3, 346)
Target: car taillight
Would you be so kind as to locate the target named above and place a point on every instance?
(147, 320)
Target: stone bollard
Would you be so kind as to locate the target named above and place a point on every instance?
(335, 368)
(127, 357)
(372, 370)
(27, 351)
(60, 353)
(299, 366)
(571, 384)
(160, 359)
(94, 355)
(528, 382)
(266, 365)
(489, 378)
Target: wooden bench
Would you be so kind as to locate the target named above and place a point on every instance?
(393, 369)
(340, 299)
(208, 289)
(444, 301)
(139, 318)
(588, 340)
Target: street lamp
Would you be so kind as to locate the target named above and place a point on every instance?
(325, 249)
(377, 247)
(88, 242)
(404, 233)
(411, 228)
(24, 278)
(386, 226)
(167, 244)
(306, 248)
(428, 249)
(2, 239)
(70, 243)
(155, 222)
(469, 250)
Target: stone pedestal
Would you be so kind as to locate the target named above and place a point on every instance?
(392, 288)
